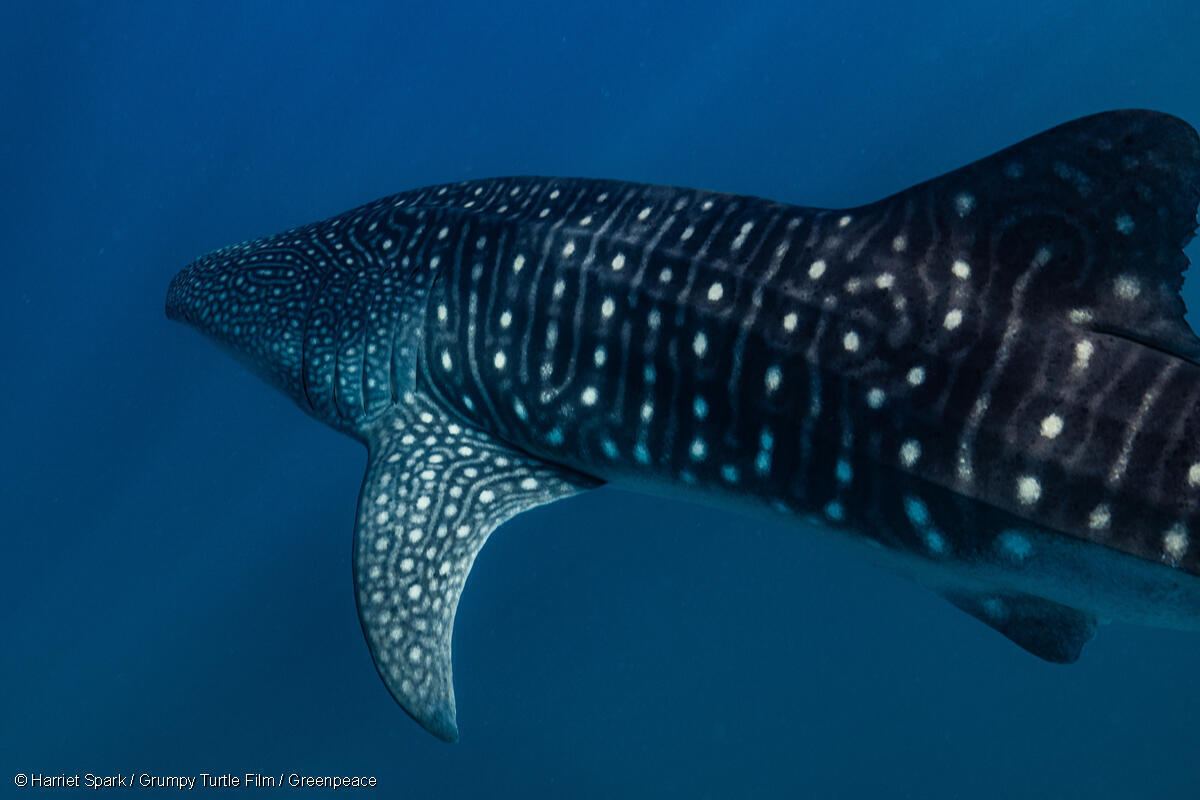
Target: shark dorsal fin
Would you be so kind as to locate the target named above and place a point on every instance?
(1093, 215)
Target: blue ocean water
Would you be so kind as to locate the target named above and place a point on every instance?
(175, 535)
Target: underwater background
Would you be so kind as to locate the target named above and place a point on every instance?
(175, 579)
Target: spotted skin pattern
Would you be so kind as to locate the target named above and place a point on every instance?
(985, 380)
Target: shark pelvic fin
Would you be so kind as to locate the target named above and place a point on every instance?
(434, 490)
(1050, 631)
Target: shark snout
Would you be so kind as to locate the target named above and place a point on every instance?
(177, 306)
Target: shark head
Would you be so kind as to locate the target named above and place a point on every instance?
(252, 299)
(327, 318)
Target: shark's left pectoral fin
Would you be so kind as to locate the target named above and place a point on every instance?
(434, 490)
(1051, 631)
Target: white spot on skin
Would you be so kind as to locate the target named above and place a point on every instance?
(953, 319)
(700, 344)
(698, 449)
(790, 321)
(1083, 354)
(875, 398)
(715, 292)
(740, 239)
(644, 213)
(899, 244)
(1080, 316)
(500, 360)
(844, 221)
(589, 396)
(1175, 542)
(1100, 517)
(442, 313)
(729, 473)
(844, 472)
(1029, 490)
(1015, 545)
(568, 249)
(773, 378)
(414, 592)
(529, 484)
(608, 307)
(505, 319)
(1126, 287)
(963, 204)
(1193, 475)
(850, 342)
(1052, 426)
(447, 362)
(487, 496)
(518, 263)
(618, 262)
(916, 511)
(885, 280)
(935, 541)
(700, 408)
(817, 269)
(1124, 224)
(916, 376)
(600, 356)
(647, 411)
(961, 269)
(910, 452)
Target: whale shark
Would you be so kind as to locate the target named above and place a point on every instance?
(984, 382)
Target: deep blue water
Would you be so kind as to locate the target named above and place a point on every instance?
(175, 594)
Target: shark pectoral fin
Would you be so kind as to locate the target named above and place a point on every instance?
(433, 492)
(1054, 632)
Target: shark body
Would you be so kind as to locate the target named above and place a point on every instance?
(984, 381)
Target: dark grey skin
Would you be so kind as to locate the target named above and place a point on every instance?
(985, 381)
